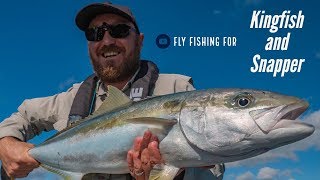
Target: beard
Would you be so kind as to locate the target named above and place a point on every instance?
(111, 73)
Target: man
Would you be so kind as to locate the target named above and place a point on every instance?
(114, 43)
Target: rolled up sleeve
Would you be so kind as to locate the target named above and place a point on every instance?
(39, 114)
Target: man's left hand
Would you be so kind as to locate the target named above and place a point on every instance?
(144, 155)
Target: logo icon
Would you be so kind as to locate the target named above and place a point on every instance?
(163, 41)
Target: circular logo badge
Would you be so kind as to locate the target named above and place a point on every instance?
(163, 41)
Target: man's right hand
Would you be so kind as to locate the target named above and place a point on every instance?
(15, 158)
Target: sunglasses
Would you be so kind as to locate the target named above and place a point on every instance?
(115, 31)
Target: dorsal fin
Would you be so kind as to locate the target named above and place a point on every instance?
(114, 100)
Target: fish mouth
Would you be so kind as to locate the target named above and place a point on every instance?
(287, 117)
(284, 129)
(267, 119)
(292, 111)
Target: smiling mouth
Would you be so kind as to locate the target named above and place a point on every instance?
(109, 54)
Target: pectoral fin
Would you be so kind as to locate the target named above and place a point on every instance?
(158, 126)
(67, 175)
(163, 172)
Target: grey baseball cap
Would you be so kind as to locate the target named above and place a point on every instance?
(85, 15)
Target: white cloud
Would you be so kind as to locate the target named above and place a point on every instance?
(246, 176)
(288, 151)
(267, 173)
(228, 176)
(67, 83)
(288, 173)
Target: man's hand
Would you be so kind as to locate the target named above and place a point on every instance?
(15, 158)
(144, 155)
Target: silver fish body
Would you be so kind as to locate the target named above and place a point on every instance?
(196, 128)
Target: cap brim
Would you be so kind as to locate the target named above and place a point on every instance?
(86, 15)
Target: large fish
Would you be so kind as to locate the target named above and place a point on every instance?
(195, 128)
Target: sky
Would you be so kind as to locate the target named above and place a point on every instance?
(43, 53)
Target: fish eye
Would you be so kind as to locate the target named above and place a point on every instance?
(240, 100)
(243, 101)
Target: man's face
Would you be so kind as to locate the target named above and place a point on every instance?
(115, 59)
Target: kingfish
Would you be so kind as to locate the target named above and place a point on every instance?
(195, 128)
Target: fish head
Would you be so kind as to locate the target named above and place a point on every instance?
(241, 123)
